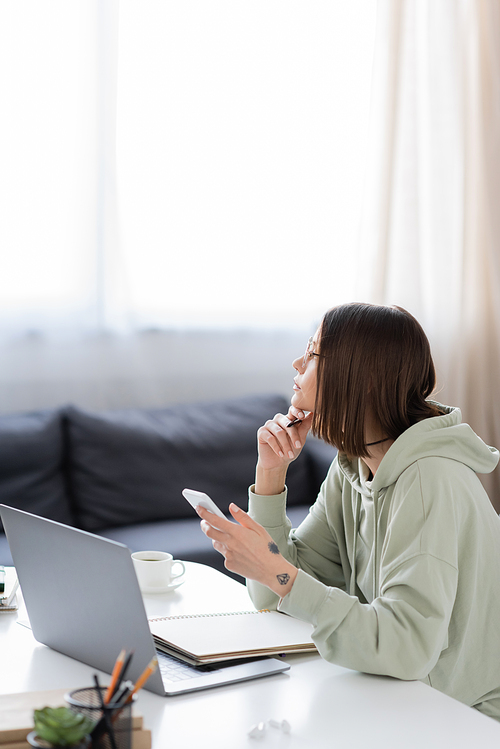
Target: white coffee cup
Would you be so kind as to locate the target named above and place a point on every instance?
(154, 570)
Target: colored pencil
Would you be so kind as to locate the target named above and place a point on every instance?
(150, 669)
(117, 668)
(122, 674)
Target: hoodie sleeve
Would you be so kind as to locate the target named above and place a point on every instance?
(403, 631)
(314, 549)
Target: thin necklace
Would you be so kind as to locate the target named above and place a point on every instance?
(369, 444)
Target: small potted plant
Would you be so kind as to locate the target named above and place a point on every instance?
(60, 727)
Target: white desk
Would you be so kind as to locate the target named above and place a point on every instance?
(327, 706)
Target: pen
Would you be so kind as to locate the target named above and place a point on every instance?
(105, 713)
(294, 423)
(117, 668)
(2, 579)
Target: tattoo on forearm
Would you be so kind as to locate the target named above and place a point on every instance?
(283, 579)
(273, 548)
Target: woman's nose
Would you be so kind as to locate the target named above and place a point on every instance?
(297, 363)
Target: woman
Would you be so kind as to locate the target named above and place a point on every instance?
(397, 565)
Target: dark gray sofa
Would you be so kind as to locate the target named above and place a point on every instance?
(120, 473)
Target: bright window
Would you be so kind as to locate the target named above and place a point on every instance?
(186, 163)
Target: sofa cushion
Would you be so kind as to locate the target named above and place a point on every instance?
(130, 466)
(183, 538)
(31, 464)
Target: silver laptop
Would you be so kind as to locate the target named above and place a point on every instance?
(83, 599)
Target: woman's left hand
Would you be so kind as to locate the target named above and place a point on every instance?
(248, 549)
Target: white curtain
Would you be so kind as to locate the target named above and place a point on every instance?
(49, 134)
(179, 164)
(241, 129)
(174, 166)
(431, 222)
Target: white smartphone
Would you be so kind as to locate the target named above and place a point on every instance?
(203, 500)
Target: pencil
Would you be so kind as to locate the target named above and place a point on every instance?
(150, 668)
(122, 673)
(114, 676)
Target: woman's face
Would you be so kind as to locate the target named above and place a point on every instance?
(304, 396)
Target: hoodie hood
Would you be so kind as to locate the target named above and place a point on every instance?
(440, 436)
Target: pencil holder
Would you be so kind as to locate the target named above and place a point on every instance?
(113, 724)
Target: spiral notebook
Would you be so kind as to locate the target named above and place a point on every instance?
(210, 638)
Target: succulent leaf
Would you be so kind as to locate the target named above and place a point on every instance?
(61, 727)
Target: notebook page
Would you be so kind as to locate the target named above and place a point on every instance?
(210, 635)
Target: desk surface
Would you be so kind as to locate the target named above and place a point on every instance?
(326, 705)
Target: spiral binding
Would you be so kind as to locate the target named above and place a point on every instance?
(202, 616)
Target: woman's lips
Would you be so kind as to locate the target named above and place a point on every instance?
(295, 386)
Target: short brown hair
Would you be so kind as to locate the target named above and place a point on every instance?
(371, 355)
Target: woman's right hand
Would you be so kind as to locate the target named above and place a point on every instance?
(278, 445)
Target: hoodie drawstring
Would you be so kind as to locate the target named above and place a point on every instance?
(357, 512)
(375, 545)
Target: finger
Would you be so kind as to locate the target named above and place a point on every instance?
(295, 413)
(306, 422)
(278, 420)
(214, 520)
(292, 424)
(243, 518)
(214, 533)
(282, 437)
(265, 437)
(297, 438)
(218, 546)
(299, 426)
(281, 419)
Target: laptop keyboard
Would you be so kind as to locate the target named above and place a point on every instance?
(172, 669)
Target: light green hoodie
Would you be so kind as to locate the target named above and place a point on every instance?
(401, 575)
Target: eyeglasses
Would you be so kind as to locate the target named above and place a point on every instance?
(309, 352)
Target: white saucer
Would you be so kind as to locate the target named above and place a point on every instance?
(172, 586)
